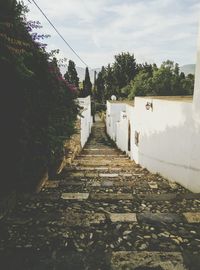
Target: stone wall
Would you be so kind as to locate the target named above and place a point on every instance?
(72, 147)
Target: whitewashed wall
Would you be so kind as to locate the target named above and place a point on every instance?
(169, 136)
(168, 140)
(86, 119)
(118, 118)
(122, 138)
(112, 117)
(122, 132)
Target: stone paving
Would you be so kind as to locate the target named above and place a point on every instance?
(104, 212)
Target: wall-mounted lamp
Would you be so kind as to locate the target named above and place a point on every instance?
(113, 98)
(149, 105)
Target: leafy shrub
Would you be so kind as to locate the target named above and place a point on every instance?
(40, 108)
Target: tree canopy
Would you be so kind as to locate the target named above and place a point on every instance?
(164, 81)
(126, 79)
(71, 74)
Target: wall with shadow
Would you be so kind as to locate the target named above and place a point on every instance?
(169, 140)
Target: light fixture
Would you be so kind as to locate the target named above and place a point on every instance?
(149, 105)
(124, 116)
(113, 98)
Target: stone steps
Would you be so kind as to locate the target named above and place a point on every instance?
(103, 163)
(98, 159)
(147, 260)
(99, 168)
(104, 212)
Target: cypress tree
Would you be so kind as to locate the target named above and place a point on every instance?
(71, 75)
(87, 85)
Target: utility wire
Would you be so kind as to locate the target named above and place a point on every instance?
(58, 32)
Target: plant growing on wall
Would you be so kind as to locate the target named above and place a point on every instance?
(40, 108)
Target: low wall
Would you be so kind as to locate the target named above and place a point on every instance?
(74, 145)
(118, 124)
(168, 140)
(164, 138)
(113, 113)
(86, 120)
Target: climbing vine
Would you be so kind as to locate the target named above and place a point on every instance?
(40, 107)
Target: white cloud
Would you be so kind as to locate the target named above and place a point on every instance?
(154, 30)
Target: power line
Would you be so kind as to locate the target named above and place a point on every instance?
(58, 33)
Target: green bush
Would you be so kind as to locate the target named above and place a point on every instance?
(40, 108)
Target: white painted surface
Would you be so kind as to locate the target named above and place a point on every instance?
(118, 116)
(112, 117)
(196, 101)
(122, 131)
(86, 119)
(169, 141)
(169, 138)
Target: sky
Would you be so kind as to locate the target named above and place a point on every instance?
(152, 30)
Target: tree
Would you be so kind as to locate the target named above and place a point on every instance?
(141, 85)
(100, 86)
(109, 82)
(87, 85)
(163, 81)
(71, 75)
(146, 67)
(188, 84)
(124, 69)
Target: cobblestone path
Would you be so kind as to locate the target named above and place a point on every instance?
(104, 212)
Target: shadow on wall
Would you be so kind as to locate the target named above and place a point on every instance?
(174, 151)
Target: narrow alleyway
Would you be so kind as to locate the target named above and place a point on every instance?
(104, 212)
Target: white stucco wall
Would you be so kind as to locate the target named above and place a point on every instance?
(112, 117)
(168, 140)
(122, 138)
(169, 136)
(86, 119)
(118, 118)
(122, 132)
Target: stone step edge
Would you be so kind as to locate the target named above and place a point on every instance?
(136, 197)
(116, 158)
(103, 169)
(147, 260)
(99, 155)
(130, 196)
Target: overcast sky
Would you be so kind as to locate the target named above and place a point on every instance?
(154, 30)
